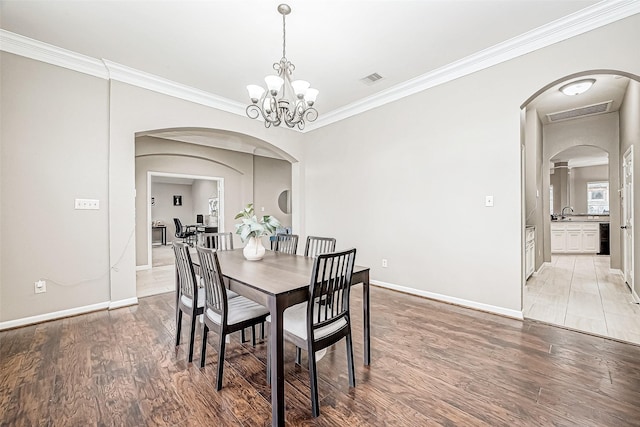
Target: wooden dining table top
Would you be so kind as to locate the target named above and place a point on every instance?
(274, 274)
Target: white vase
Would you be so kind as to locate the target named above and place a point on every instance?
(254, 250)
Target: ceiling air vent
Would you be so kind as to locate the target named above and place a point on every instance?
(588, 110)
(371, 78)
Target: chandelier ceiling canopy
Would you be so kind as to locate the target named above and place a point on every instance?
(285, 100)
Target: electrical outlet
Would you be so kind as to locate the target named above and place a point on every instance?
(385, 264)
(40, 287)
(488, 201)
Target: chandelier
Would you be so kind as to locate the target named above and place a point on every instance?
(284, 100)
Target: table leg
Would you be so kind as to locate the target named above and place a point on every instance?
(367, 319)
(276, 349)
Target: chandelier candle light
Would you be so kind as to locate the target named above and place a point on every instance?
(285, 100)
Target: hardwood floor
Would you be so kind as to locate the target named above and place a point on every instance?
(432, 364)
(581, 292)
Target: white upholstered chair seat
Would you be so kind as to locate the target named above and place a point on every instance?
(295, 322)
(189, 301)
(239, 310)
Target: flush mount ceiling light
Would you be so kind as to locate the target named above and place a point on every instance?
(285, 100)
(577, 87)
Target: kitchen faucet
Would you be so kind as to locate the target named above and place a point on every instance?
(566, 207)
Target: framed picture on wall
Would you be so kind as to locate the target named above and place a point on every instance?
(177, 200)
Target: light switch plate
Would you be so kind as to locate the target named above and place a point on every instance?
(488, 201)
(87, 204)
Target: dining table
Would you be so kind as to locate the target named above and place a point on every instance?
(279, 281)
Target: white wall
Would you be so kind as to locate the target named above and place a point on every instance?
(271, 177)
(389, 165)
(54, 145)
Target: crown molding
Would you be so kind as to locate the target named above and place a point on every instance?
(138, 78)
(44, 52)
(588, 19)
(585, 20)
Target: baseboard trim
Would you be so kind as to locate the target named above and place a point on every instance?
(143, 267)
(108, 305)
(123, 303)
(9, 324)
(452, 300)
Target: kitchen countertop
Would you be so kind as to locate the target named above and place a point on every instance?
(595, 219)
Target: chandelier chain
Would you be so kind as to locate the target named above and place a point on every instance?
(284, 36)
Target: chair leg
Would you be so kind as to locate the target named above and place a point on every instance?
(220, 360)
(253, 335)
(298, 355)
(203, 352)
(352, 375)
(178, 326)
(313, 382)
(192, 336)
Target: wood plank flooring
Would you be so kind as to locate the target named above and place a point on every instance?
(432, 364)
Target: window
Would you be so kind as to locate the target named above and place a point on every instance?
(551, 199)
(598, 198)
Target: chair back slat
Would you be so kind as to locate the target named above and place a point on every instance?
(329, 288)
(217, 241)
(186, 272)
(319, 245)
(215, 291)
(287, 243)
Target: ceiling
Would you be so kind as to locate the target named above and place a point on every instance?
(221, 46)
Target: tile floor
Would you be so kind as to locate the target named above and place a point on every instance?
(582, 293)
(159, 279)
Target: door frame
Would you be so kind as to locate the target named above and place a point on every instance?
(151, 174)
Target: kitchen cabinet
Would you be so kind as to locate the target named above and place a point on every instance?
(530, 251)
(558, 239)
(574, 237)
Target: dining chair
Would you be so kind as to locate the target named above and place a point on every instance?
(287, 243)
(191, 297)
(187, 234)
(224, 242)
(221, 314)
(218, 241)
(319, 245)
(325, 319)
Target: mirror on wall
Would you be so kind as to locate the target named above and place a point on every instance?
(284, 201)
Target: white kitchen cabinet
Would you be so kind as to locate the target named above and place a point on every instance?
(590, 237)
(558, 238)
(530, 251)
(575, 237)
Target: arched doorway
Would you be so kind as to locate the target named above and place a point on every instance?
(201, 166)
(560, 131)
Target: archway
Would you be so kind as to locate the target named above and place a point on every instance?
(553, 124)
